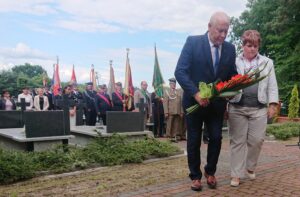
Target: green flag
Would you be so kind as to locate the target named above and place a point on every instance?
(158, 80)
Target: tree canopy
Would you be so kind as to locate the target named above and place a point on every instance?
(22, 75)
(278, 22)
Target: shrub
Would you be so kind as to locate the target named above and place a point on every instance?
(15, 166)
(284, 131)
(294, 103)
(114, 150)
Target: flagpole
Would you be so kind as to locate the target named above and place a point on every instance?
(126, 85)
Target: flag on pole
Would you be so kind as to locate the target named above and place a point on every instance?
(52, 80)
(111, 84)
(128, 87)
(158, 80)
(93, 78)
(73, 80)
(56, 83)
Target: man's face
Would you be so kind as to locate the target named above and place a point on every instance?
(144, 86)
(172, 85)
(218, 32)
(118, 88)
(89, 87)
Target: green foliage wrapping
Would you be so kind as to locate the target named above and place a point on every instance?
(294, 103)
(284, 131)
(110, 151)
(206, 90)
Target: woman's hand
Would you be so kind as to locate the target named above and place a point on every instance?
(272, 110)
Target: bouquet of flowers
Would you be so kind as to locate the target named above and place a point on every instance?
(230, 88)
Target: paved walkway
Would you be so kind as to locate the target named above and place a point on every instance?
(278, 174)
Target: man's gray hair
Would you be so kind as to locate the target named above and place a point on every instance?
(219, 16)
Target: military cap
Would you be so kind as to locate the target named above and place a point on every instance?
(172, 80)
(119, 84)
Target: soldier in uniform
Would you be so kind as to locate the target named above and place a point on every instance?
(174, 112)
(143, 93)
(90, 109)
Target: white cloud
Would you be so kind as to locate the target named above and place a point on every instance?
(130, 16)
(173, 15)
(22, 51)
(87, 26)
(35, 7)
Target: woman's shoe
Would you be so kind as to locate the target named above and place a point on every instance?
(251, 174)
(235, 182)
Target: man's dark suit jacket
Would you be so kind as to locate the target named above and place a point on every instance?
(195, 64)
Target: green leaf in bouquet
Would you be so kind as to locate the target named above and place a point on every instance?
(205, 90)
(229, 94)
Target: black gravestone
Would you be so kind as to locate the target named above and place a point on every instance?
(79, 112)
(45, 123)
(23, 104)
(65, 103)
(117, 121)
(11, 119)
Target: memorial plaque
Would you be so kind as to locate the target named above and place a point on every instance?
(11, 119)
(124, 121)
(46, 123)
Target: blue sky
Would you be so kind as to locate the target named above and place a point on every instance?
(85, 32)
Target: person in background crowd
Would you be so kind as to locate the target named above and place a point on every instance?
(143, 93)
(158, 115)
(174, 112)
(67, 91)
(28, 98)
(57, 98)
(49, 95)
(205, 58)
(7, 103)
(76, 94)
(103, 103)
(118, 98)
(41, 102)
(248, 112)
(90, 109)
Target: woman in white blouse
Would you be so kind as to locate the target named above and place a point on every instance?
(40, 102)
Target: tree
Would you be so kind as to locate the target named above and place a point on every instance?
(278, 21)
(29, 70)
(8, 82)
(294, 103)
(22, 75)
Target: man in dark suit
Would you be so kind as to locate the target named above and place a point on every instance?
(90, 108)
(205, 58)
